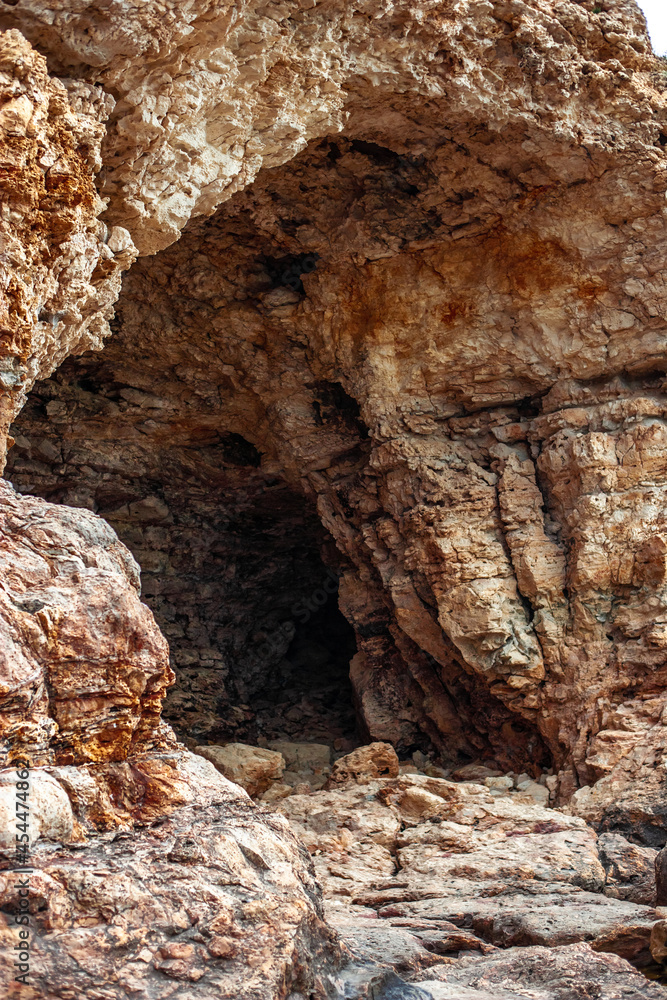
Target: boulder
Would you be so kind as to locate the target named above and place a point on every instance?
(252, 768)
(630, 868)
(568, 973)
(83, 665)
(502, 784)
(182, 889)
(540, 793)
(47, 811)
(378, 760)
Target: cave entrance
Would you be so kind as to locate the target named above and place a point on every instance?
(308, 695)
(235, 564)
(290, 680)
(283, 651)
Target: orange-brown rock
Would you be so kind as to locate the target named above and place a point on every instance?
(378, 760)
(59, 265)
(416, 358)
(171, 885)
(438, 333)
(83, 666)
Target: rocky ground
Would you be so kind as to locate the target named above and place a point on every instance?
(160, 878)
(461, 885)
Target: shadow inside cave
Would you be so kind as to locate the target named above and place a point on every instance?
(235, 564)
(308, 696)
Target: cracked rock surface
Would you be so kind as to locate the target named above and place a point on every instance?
(469, 891)
(382, 425)
(60, 266)
(171, 885)
(449, 339)
(84, 667)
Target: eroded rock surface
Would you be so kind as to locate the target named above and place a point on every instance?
(562, 974)
(152, 874)
(208, 92)
(440, 335)
(431, 856)
(428, 341)
(172, 885)
(84, 667)
(60, 266)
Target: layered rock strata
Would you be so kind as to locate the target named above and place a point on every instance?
(442, 336)
(440, 326)
(436, 880)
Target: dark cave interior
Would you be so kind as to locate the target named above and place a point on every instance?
(236, 567)
(207, 431)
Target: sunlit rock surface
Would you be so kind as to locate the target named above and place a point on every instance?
(60, 266)
(409, 354)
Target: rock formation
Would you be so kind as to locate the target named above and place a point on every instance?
(169, 885)
(395, 345)
(60, 265)
(83, 663)
(449, 338)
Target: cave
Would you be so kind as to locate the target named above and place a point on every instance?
(235, 565)
(333, 543)
(341, 369)
(237, 462)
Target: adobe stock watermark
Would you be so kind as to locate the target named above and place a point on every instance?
(302, 612)
(22, 870)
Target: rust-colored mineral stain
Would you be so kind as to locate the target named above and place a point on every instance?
(453, 311)
(588, 291)
(532, 264)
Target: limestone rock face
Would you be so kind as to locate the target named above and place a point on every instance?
(83, 666)
(59, 265)
(433, 326)
(208, 92)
